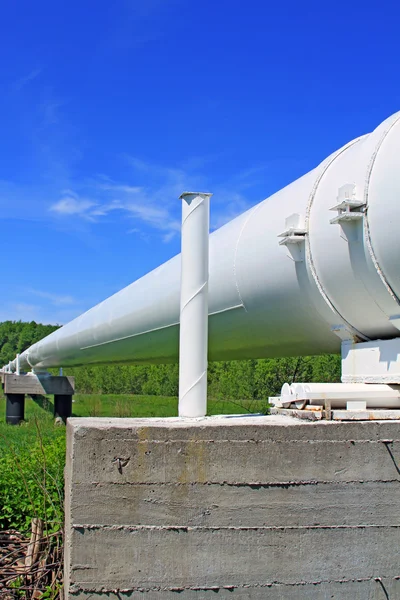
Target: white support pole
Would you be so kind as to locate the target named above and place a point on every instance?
(193, 342)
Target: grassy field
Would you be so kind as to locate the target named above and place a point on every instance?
(117, 405)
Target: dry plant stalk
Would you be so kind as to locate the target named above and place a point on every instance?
(34, 544)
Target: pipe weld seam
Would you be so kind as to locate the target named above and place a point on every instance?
(192, 211)
(193, 385)
(193, 296)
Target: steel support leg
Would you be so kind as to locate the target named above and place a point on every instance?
(62, 406)
(15, 408)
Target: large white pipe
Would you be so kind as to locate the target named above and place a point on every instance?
(193, 339)
(315, 262)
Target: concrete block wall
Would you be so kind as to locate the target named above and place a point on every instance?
(240, 507)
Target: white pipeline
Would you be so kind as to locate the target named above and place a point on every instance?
(314, 264)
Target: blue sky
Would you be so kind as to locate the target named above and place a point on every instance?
(111, 109)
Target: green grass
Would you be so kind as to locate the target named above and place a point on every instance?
(26, 434)
(32, 460)
(119, 405)
(112, 405)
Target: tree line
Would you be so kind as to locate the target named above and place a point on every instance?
(235, 380)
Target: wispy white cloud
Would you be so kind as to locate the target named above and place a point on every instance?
(71, 205)
(54, 299)
(230, 205)
(23, 81)
(230, 197)
(140, 210)
(149, 197)
(160, 219)
(126, 189)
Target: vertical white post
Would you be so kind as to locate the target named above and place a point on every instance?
(17, 365)
(193, 342)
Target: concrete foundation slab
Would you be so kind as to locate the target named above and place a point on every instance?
(250, 507)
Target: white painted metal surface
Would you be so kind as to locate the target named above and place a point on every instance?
(377, 361)
(193, 340)
(339, 395)
(335, 275)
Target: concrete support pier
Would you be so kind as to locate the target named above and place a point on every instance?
(232, 507)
